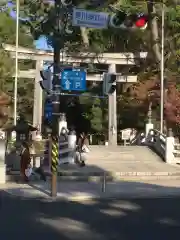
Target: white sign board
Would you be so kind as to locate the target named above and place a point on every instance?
(89, 19)
(126, 133)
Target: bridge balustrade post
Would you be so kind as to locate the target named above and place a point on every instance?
(72, 146)
(149, 124)
(169, 148)
(2, 162)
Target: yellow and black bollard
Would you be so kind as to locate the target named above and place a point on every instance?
(54, 154)
(54, 164)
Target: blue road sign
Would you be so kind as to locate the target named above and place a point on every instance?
(90, 19)
(48, 108)
(73, 79)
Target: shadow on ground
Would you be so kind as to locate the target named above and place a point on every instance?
(122, 219)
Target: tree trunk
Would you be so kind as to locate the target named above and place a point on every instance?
(85, 37)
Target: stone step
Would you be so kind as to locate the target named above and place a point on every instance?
(99, 177)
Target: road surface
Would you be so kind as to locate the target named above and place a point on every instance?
(141, 219)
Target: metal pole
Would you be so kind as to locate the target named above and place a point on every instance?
(56, 86)
(112, 113)
(16, 62)
(104, 183)
(162, 70)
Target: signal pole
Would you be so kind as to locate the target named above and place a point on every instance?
(57, 44)
(62, 8)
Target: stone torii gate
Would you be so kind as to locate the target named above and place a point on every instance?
(111, 59)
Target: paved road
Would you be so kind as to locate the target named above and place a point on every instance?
(34, 219)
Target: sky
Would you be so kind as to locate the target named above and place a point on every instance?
(41, 43)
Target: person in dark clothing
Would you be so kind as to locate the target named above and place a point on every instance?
(82, 144)
(82, 140)
(25, 160)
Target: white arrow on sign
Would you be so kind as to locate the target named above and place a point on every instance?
(67, 84)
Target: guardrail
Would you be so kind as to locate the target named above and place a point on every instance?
(157, 142)
(66, 151)
(164, 146)
(2, 161)
(139, 139)
(176, 152)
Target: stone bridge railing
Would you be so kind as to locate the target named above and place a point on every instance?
(163, 145)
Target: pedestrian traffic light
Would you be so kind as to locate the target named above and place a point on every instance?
(66, 2)
(46, 82)
(133, 21)
(48, 109)
(109, 83)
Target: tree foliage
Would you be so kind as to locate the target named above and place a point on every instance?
(136, 97)
(118, 40)
(172, 105)
(8, 36)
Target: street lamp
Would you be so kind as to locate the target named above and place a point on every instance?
(16, 62)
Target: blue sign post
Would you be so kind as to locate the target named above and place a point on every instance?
(73, 79)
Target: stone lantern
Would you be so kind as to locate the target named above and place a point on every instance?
(23, 130)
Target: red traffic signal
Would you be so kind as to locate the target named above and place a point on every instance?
(132, 21)
(141, 22)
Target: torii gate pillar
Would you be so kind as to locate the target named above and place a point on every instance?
(37, 108)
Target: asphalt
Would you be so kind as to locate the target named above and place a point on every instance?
(122, 219)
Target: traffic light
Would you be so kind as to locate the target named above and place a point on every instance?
(48, 109)
(66, 2)
(46, 82)
(133, 21)
(109, 83)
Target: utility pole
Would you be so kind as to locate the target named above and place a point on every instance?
(57, 44)
(112, 112)
(16, 63)
(62, 8)
(162, 69)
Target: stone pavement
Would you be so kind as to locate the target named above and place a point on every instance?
(117, 163)
(122, 161)
(81, 191)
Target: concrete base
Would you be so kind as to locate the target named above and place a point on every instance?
(149, 126)
(2, 173)
(36, 162)
(169, 151)
(71, 156)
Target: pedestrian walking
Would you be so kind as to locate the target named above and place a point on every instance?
(25, 162)
(83, 142)
(82, 149)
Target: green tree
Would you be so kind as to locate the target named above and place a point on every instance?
(118, 40)
(8, 36)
